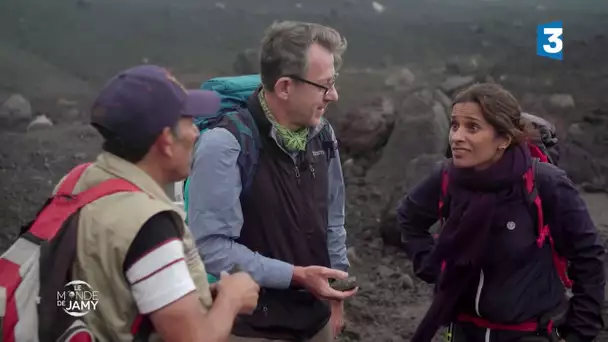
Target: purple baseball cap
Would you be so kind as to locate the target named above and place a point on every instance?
(138, 103)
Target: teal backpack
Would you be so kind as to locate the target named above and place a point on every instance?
(234, 92)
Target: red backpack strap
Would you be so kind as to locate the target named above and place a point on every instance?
(544, 232)
(537, 152)
(64, 204)
(69, 183)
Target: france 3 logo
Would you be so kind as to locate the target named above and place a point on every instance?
(549, 40)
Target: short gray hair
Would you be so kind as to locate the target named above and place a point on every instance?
(285, 46)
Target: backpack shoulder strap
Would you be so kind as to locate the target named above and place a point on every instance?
(328, 143)
(443, 191)
(242, 125)
(64, 203)
(544, 232)
(534, 201)
(69, 183)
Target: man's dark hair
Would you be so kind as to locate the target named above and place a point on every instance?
(130, 152)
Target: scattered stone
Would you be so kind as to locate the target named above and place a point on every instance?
(353, 257)
(247, 62)
(384, 271)
(593, 188)
(561, 101)
(344, 284)
(71, 113)
(575, 129)
(407, 281)
(40, 122)
(378, 7)
(16, 107)
(440, 111)
(367, 128)
(66, 103)
(455, 83)
(443, 99)
(467, 65)
(80, 156)
(400, 79)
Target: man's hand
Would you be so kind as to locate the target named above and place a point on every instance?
(316, 280)
(240, 289)
(337, 317)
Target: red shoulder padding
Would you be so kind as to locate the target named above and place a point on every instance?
(64, 203)
(69, 183)
(544, 232)
(535, 152)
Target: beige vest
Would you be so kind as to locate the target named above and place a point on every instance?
(106, 229)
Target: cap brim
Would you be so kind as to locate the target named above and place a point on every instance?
(201, 103)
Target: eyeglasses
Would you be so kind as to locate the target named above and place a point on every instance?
(325, 88)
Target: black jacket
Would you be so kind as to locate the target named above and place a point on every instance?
(518, 281)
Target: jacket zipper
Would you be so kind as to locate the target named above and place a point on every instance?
(478, 299)
(312, 170)
(296, 170)
(478, 295)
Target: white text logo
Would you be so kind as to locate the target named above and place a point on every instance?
(77, 298)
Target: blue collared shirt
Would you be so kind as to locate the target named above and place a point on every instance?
(215, 216)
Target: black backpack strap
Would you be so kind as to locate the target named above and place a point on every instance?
(56, 260)
(327, 142)
(142, 328)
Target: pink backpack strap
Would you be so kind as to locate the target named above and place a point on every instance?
(443, 196)
(69, 183)
(544, 232)
(536, 152)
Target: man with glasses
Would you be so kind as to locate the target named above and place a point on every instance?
(287, 229)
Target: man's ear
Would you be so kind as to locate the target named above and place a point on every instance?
(164, 142)
(282, 87)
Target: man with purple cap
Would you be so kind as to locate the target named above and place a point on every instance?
(134, 248)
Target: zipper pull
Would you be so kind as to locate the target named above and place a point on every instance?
(297, 171)
(312, 170)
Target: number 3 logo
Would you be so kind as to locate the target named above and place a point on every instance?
(556, 43)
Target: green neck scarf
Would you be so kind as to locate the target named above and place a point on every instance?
(291, 140)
